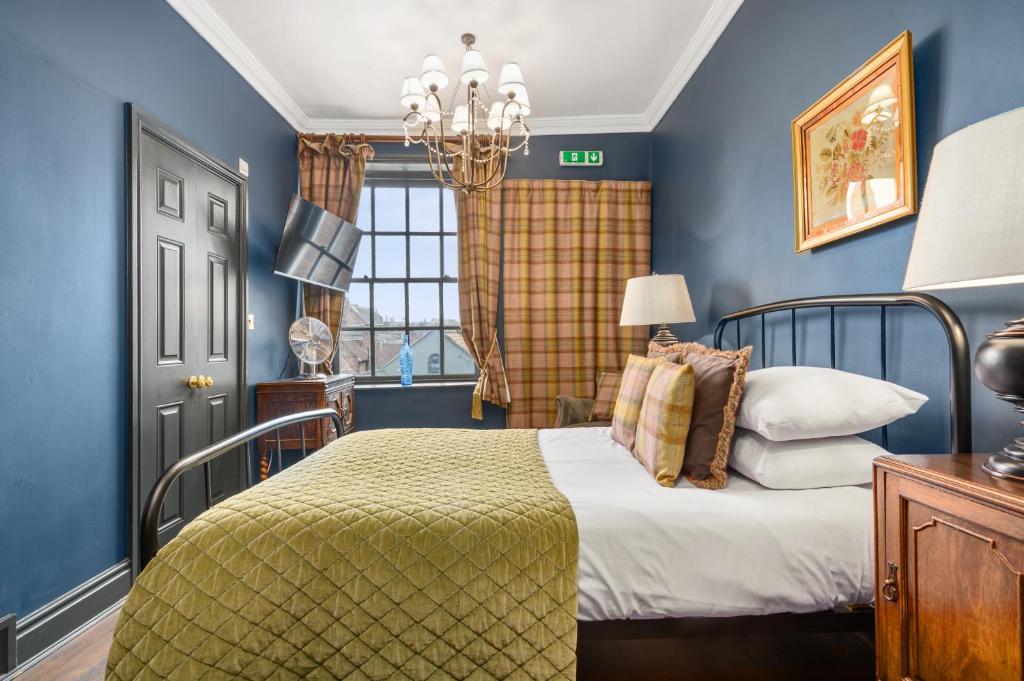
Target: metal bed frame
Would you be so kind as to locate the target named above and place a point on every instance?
(149, 539)
(845, 619)
(960, 359)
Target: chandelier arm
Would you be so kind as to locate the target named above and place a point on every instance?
(441, 147)
(437, 173)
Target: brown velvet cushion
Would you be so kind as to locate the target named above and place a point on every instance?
(720, 375)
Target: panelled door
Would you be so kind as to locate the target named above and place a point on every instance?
(187, 236)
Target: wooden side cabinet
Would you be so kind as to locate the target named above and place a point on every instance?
(290, 396)
(949, 570)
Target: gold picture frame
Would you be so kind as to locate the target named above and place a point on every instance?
(854, 155)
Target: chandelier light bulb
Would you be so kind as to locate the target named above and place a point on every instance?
(431, 111)
(473, 68)
(433, 73)
(412, 93)
(494, 118)
(522, 98)
(460, 121)
(511, 76)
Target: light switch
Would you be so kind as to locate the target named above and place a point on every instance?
(243, 167)
(250, 322)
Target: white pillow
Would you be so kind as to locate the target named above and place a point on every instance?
(797, 403)
(804, 464)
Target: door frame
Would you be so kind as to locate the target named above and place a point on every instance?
(139, 123)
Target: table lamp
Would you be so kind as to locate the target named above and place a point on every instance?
(971, 233)
(658, 299)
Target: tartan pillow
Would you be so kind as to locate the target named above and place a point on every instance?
(607, 390)
(719, 377)
(665, 421)
(631, 397)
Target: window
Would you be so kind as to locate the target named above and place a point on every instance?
(405, 282)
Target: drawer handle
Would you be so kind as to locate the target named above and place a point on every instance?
(889, 589)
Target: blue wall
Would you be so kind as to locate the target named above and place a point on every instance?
(723, 200)
(627, 157)
(66, 70)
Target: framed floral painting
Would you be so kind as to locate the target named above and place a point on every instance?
(854, 161)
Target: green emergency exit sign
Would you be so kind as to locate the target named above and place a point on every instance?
(581, 158)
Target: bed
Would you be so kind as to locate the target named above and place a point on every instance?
(602, 542)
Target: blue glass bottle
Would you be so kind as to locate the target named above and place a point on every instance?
(405, 361)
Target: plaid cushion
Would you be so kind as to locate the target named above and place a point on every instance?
(719, 377)
(607, 390)
(665, 421)
(630, 398)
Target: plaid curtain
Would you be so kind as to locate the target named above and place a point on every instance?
(479, 216)
(570, 246)
(331, 172)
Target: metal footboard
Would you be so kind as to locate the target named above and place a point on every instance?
(149, 540)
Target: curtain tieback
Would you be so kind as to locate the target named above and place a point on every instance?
(477, 411)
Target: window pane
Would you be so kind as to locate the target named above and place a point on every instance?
(364, 258)
(389, 207)
(354, 353)
(424, 210)
(457, 359)
(423, 302)
(357, 306)
(424, 256)
(451, 256)
(365, 208)
(448, 203)
(390, 256)
(387, 344)
(426, 353)
(389, 304)
(451, 304)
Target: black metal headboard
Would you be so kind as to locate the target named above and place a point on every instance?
(960, 366)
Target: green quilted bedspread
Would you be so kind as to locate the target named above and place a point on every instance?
(389, 554)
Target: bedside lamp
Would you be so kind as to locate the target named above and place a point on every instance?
(658, 299)
(971, 233)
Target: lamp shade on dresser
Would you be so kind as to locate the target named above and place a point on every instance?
(971, 233)
(661, 299)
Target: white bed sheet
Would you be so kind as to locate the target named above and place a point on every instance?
(648, 551)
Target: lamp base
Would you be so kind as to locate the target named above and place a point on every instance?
(1009, 463)
(999, 363)
(664, 336)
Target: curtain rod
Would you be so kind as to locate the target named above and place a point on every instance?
(363, 138)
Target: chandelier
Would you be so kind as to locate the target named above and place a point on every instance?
(468, 143)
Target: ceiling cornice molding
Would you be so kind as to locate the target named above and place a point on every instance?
(710, 29)
(221, 38)
(559, 125)
(212, 28)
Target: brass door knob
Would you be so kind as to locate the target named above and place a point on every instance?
(208, 381)
(194, 382)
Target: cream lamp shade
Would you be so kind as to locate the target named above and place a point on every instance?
(473, 68)
(970, 231)
(433, 72)
(658, 299)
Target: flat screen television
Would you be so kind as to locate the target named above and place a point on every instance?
(317, 247)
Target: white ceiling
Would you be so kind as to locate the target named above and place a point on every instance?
(590, 65)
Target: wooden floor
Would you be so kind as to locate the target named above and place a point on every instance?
(793, 657)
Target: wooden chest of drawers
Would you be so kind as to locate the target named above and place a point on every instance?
(949, 575)
(281, 398)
